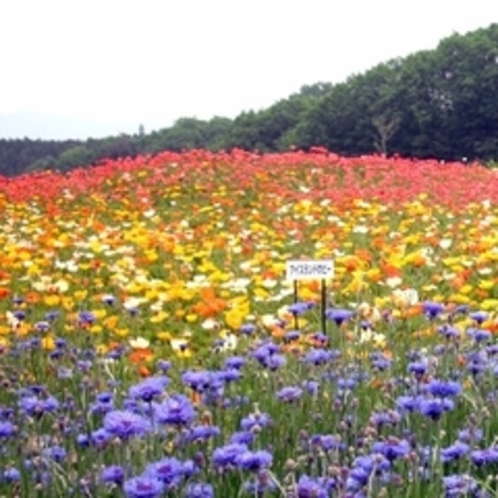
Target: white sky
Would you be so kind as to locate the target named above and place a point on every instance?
(73, 68)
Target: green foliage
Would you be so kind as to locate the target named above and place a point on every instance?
(432, 104)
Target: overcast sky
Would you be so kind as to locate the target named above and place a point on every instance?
(74, 69)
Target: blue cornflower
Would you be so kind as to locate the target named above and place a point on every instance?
(114, 474)
(275, 361)
(104, 403)
(229, 375)
(409, 403)
(392, 448)
(42, 326)
(163, 365)
(226, 456)
(98, 438)
(254, 460)
(311, 386)
(34, 406)
(243, 437)
(86, 318)
(7, 429)
(11, 474)
(263, 351)
(235, 362)
(199, 490)
(318, 356)
(470, 436)
(432, 310)
(289, 394)
(56, 453)
(125, 424)
(485, 456)
(443, 389)
(448, 331)
(247, 328)
(309, 487)
(327, 442)
(149, 388)
(168, 470)
(255, 421)
(339, 315)
(479, 335)
(197, 380)
(434, 408)
(143, 487)
(391, 417)
(292, 335)
(201, 433)
(419, 368)
(479, 317)
(299, 308)
(176, 410)
(454, 452)
(460, 485)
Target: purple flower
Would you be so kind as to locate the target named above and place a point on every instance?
(226, 456)
(479, 317)
(149, 388)
(201, 433)
(392, 448)
(454, 452)
(176, 410)
(34, 406)
(7, 429)
(199, 490)
(198, 380)
(163, 365)
(443, 389)
(299, 308)
(418, 368)
(289, 394)
(242, 437)
(254, 460)
(461, 485)
(434, 408)
(339, 315)
(86, 318)
(479, 335)
(247, 328)
(125, 424)
(311, 386)
(255, 421)
(448, 331)
(391, 417)
(11, 474)
(114, 474)
(317, 356)
(235, 362)
(275, 361)
(309, 487)
(56, 453)
(484, 457)
(99, 438)
(432, 310)
(168, 470)
(143, 487)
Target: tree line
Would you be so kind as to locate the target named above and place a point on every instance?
(440, 103)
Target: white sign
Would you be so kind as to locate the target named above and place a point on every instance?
(300, 269)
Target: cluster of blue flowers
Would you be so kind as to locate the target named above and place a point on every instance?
(321, 423)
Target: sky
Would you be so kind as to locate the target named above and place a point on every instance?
(95, 68)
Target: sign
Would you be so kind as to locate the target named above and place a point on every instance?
(300, 269)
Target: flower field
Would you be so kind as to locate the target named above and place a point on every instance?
(150, 344)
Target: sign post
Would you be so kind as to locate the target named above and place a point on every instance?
(322, 270)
